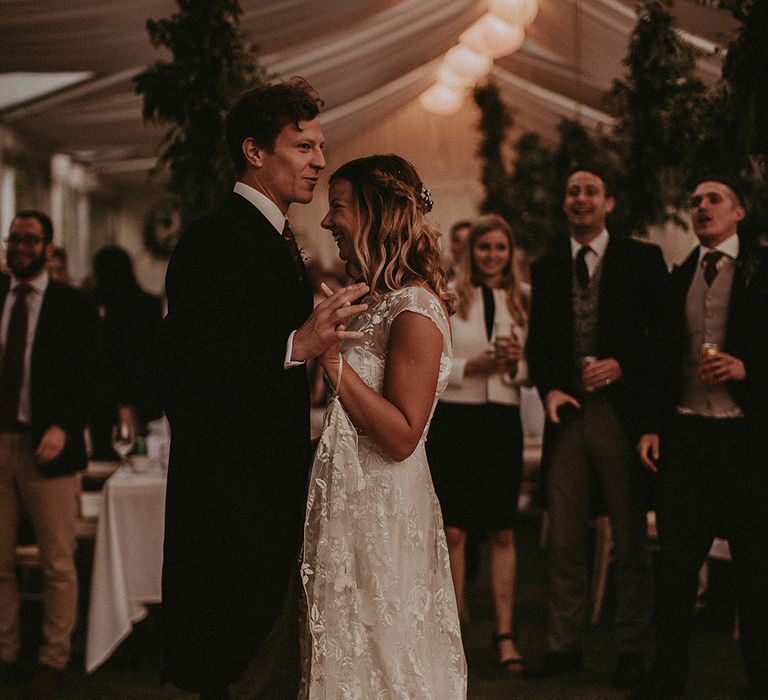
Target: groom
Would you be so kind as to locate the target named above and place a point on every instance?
(239, 328)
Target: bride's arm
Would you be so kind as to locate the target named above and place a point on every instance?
(395, 420)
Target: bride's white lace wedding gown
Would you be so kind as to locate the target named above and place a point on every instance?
(382, 620)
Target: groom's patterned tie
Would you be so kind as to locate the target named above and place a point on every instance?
(293, 249)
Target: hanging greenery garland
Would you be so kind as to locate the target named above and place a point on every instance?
(658, 108)
(191, 94)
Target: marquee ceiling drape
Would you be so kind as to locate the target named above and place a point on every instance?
(367, 59)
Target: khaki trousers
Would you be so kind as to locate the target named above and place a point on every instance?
(52, 508)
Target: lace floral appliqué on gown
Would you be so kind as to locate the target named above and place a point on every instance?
(382, 620)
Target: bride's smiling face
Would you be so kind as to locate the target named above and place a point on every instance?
(341, 219)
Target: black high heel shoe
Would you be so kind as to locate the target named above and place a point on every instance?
(513, 664)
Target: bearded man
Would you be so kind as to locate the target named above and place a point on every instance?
(48, 335)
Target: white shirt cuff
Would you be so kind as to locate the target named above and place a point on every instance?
(288, 352)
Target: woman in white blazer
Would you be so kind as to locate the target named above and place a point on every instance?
(475, 443)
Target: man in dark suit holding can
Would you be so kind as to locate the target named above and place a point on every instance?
(707, 434)
(593, 304)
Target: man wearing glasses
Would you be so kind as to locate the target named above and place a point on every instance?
(48, 335)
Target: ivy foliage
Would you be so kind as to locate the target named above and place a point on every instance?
(735, 127)
(191, 93)
(658, 108)
(495, 121)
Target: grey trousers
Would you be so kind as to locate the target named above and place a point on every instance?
(592, 449)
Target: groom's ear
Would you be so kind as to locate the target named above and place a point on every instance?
(252, 153)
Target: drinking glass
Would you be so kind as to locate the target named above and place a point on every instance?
(707, 352)
(123, 440)
(502, 338)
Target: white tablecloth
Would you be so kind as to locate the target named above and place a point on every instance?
(127, 561)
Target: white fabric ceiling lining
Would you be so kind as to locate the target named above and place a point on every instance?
(118, 164)
(592, 50)
(22, 13)
(551, 102)
(347, 118)
(366, 60)
(69, 96)
(539, 58)
(554, 29)
(18, 88)
(610, 14)
(698, 41)
(273, 26)
(379, 33)
(378, 51)
(603, 40)
(80, 34)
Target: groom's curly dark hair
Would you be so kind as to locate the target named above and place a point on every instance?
(261, 113)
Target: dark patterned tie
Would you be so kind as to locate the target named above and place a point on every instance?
(13, 358)
(582, 273)
(710, 266)
(293, 249)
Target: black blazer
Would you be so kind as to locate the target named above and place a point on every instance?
(746, 338)
(62, 371)
(240, 448)
(632, 287)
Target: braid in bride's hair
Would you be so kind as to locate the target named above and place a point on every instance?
(396, 245)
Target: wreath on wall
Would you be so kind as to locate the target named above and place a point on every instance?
(162, 227)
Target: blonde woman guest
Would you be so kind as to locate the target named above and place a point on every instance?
(382, 617)
(475, 442)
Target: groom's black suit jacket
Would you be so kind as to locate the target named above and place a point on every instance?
(240, 447)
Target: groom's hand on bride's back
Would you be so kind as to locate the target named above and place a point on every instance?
(325, 325)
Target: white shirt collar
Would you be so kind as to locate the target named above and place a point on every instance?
(598, 244)
(264, 204)
(38, 284)
(730, 247)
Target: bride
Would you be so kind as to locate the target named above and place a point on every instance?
(381, 610)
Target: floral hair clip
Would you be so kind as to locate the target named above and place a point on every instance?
(426, 197)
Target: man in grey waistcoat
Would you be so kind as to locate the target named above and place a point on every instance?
(595, 300)
(707, 435)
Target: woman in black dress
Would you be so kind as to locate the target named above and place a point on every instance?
(475, 441)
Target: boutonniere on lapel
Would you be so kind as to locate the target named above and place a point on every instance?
(749, 266)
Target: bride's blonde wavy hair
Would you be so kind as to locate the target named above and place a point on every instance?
(394, 243)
